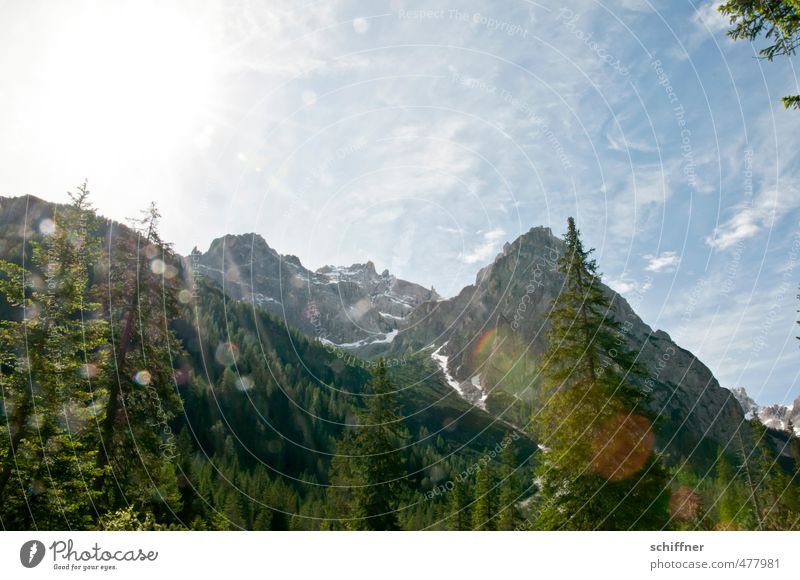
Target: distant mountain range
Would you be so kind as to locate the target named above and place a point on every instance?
(480, 339)
(484, 343)
(352, 307)
(773, 416)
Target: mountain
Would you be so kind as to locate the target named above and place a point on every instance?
(484, 342)
(488, 340)
(239, 270)
(352, 307)
(773, 416)
(269, 364)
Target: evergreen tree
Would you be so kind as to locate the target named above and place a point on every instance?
(773, 485)
(459, 507)
(734, 510)
(509, 490)
(370, 468)
(485, 506)
(137, 443)
(49, 377)
(777, 20)
(600, 470)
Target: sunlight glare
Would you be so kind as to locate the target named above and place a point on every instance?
(133, 78)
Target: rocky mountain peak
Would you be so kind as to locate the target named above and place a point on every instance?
(351, 306)
(503, 317)
(774, 416)
(240, 244)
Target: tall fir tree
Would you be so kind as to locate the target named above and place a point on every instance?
(137, 445)
(734, 510)
(600, 469)
(459, 507)
(773, 485)
(484, 508)
(370, 466)
(49, 376)
(509, 490)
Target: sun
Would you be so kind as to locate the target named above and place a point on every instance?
(128, 78)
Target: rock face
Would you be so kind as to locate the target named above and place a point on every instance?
(773, 416)
(493, 333)
(353, 307)
(394, 299)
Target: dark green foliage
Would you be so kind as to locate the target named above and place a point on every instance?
(484, 508)
(460, 507)
(774, 490)
(599, 469)
(778, 21)
(371, 467)
(50, 393)
(243, 423)
(137, 443)
(510, 491)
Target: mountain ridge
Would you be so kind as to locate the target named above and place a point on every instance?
(476, 334)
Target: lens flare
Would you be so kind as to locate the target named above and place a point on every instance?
(244, 384)
(622, 446)
(227, 353)
(157, 267)
(47, 227)
(484, 345)
(684, 503)
(142, 378)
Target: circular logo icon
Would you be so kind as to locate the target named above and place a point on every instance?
(31, 553)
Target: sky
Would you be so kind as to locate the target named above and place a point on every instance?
(425, 135)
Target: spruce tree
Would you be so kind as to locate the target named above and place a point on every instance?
(138, 447)
(734, 510)
(485, 506)
(509, 490)
(370, 466)
(600, 469)
(50, 387)
(459, 507)
(773, 485)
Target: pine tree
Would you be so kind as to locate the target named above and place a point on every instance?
(370, 466)
(773, 485)
(49, 377)
(459, 507)
(509, 490)
(137, 444)
(734, 509)
(485, 506)
(747, 470)
(600, 470)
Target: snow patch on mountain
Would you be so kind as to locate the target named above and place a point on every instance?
(441, 360)
(773, 416)
(471, 391)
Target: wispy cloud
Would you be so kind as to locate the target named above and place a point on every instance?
(486, 248)
(708, 17)
(751, 219)
(626, 285)
(664, 262)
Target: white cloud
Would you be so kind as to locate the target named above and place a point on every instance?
(751, 219)
(628, 286)
(485, 250)
(708, 17)
(665, 262)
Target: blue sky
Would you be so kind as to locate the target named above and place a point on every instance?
(424, 135)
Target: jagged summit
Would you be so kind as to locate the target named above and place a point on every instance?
(775, 416)
(501, 318)
(351, 306)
